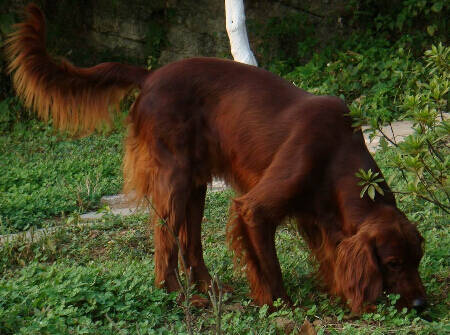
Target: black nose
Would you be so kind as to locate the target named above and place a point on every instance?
(419, 304)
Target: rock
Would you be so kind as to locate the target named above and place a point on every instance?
(116, 201)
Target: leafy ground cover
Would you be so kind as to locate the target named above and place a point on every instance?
(99, 280)
(45, 174)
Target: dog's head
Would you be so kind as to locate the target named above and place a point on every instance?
(383, 256)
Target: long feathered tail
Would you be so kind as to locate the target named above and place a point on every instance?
(77, 99)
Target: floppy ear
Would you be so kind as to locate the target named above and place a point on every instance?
(357, 274)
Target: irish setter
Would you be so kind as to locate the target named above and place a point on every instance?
(286, 152)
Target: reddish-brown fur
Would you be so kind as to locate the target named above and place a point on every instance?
(286, 152)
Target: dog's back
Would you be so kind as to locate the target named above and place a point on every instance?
(233, 117)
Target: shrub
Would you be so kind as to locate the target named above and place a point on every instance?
(422, 161)
(367, 70)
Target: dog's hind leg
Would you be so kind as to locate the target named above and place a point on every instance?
(170, 198)
(190, 238)
(150, 172)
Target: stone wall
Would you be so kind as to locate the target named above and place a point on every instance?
(177, 28)
(156, 32)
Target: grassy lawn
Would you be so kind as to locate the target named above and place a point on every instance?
(99, 280)
(44, 174)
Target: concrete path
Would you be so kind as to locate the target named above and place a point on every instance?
(119, 204)
(401, 129)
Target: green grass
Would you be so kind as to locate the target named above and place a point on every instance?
(44, 174)
(99, 280)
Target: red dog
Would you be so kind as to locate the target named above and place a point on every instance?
(285, 151)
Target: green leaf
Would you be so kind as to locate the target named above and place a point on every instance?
(431, 29)
(378, 189)
(383, 143)
(363, 191)
(6, 23)
(437, 7)
(371, 192)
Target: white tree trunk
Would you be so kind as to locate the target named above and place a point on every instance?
(237, 32)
